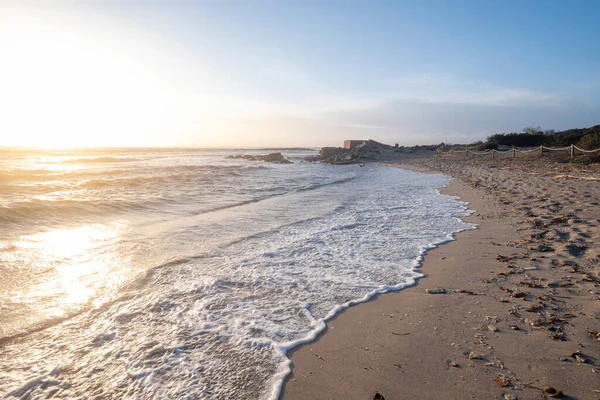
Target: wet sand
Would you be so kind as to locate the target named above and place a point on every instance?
(522, 308)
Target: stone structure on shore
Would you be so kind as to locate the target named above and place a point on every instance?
(360, 151)
(350, 144)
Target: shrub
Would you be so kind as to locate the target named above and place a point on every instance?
(591, 141)
(486, 146)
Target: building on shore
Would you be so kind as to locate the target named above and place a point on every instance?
(350, 144)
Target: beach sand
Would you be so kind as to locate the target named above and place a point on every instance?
(522, 310)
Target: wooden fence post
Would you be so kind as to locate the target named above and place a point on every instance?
(514, 153)
(493, 154)
(572, 150)
(541, 151)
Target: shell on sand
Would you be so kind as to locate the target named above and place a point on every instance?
(501, 380)
(552, 392)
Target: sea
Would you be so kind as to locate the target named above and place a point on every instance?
(186, 274)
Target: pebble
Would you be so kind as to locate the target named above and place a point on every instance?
(437, 290)
(475, 356)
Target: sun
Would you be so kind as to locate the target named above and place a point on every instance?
(67, 84)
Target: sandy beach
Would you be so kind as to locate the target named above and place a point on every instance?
(520, 315)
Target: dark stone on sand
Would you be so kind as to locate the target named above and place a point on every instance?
(437, 290)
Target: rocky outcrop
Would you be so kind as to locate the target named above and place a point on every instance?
(370, 151)
(276, 158)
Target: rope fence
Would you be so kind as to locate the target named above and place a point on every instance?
(572, 149)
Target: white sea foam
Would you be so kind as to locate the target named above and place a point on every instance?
(232, 291)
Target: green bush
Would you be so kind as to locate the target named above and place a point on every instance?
(591, 141)
(486, 146)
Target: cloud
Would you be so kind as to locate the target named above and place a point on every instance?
(447, 89)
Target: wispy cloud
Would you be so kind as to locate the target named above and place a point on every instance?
(447, 89)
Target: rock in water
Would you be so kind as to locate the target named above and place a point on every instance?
(277, 158)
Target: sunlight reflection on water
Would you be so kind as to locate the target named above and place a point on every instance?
(80, 265)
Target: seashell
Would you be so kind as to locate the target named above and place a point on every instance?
(508, 396)
(501, 380)
(492, 328)
(575, 353)
(475, 356)
(581, 359)
(552, 392)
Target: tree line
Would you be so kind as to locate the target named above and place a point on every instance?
(585, 138)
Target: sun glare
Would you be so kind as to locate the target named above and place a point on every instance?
(75, 259)
(70, 85)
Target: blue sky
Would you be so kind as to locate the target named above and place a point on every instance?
(312, 73)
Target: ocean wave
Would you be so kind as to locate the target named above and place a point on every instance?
(103, 160)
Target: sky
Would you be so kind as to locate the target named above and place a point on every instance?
(255, 73)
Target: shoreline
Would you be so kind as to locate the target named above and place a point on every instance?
(285, 372)
(476, 341)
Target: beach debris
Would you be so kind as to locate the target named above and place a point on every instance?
(501, 380)
(401, 334)
(552, 392)
(594, 333)
(492, 328)
(454, 364)
(557, 336)
(515, 327)
(533, 285)
(437, 290)
(378, 396)
(542, 248)
(502, 258)
(558, 220)
(503, 300)
(508, 396)
(476, 356)
(581, 359)
(464, 291)
(535, 308)
(534, 322)
(519, 295)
